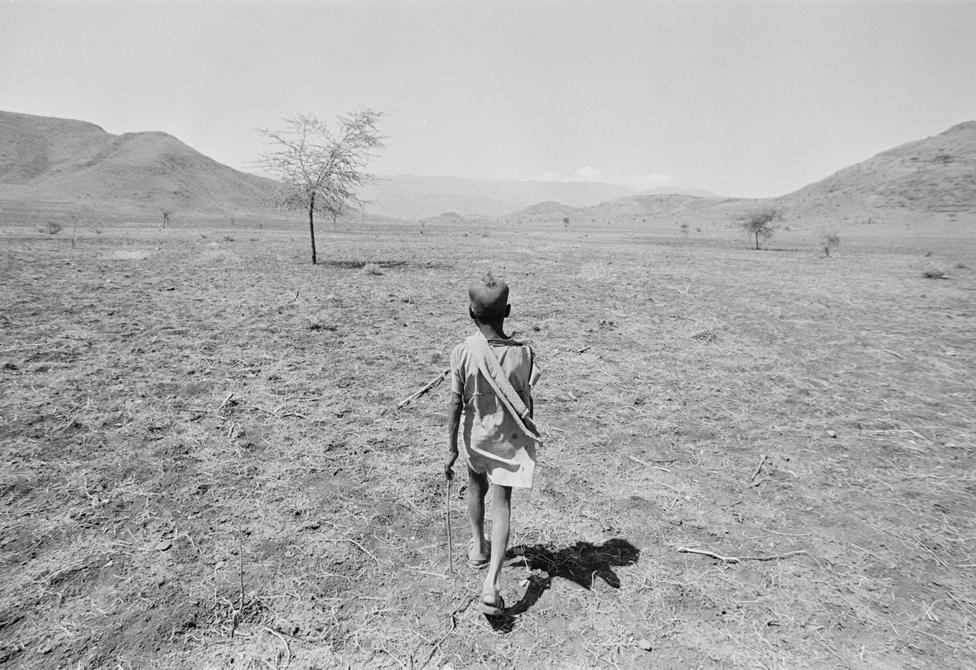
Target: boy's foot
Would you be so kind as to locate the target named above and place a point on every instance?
(491, 604)
(477, 561)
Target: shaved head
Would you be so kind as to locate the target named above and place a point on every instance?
(489, 297)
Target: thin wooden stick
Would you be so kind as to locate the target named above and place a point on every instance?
(648, 465)
(450, 629)
(703, 552)
(738, 559)
(431, 384)
(353, 542)
(283, 641)
(762, 459)
(450, 540)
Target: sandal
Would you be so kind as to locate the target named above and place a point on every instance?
(478, 563)
(490, 605)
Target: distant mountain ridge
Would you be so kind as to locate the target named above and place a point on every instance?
(417, 197)
(50, 162)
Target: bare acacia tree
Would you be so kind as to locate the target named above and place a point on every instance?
(321, 170)
(760, 223)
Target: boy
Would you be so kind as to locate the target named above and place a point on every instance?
(491, 381)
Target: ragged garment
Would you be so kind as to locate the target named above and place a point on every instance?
(495, 378)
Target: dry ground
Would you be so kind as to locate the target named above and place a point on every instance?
(203, 466)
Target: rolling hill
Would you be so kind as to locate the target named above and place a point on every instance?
(936, 175)
(62, 160)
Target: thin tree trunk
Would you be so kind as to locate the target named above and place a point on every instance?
(757, 245)
(311, 224)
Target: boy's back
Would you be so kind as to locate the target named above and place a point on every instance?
(493, 441)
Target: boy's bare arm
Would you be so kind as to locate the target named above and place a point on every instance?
(453, 424)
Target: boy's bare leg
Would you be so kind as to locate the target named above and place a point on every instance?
(477, 490)
(501, 519)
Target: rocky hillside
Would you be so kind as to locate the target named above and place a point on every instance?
(66, 160)
(936, 174)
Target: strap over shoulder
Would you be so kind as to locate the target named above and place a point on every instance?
(492, 371)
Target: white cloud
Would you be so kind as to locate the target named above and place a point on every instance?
(588, 174)
(18, 100)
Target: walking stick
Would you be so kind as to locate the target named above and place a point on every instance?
(450, 542)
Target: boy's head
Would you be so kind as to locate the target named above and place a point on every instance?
(489, 299)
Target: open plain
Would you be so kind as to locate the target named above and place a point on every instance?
(205, 466)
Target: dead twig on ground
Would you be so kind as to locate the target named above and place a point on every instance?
(283, 641)
(739, 559)
(450, 629)
(431, 384)
(239, 610)
(762, 460)
(314, 399)
(353, 542)
(648, 465)
(226, 400)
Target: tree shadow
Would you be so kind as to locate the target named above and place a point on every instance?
(580, 563)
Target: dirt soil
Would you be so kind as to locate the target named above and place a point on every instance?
(204, 465)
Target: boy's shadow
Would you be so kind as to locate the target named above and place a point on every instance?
(579, 563)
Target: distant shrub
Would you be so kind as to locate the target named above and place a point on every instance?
(371, 269)
(52, 228)
(829, 242)
(935, 274)
(315, 324)
(684, 229)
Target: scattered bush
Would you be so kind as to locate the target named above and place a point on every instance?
(935, 274)
(52, 228)
(829, 242)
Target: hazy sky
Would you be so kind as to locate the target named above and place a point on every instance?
(739, 98)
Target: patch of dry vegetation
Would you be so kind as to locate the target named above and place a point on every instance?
(205, 463)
